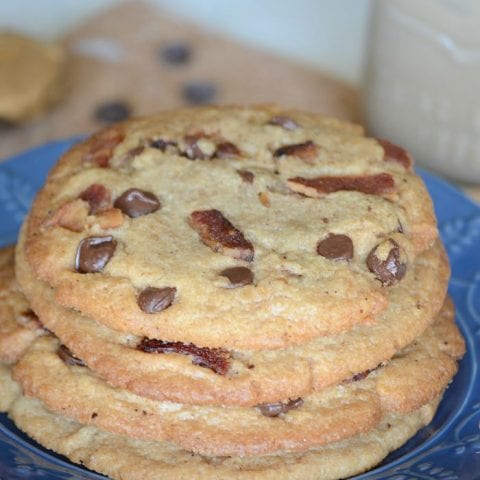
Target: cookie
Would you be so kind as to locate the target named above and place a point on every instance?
(252, 377)
(30, 76)
(10, 390)
(19, 326)
(124, 458)
(271, 227)
(415, 376)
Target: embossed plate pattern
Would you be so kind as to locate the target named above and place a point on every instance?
(448, 449)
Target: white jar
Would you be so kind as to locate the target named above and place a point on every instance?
(422, 84)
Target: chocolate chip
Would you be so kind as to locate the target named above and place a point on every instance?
(362, 375)
(161, 144)
(93, 253)
(216, 359)
(306, 150)
(68, 357)
(98, 198)
(154, 300)
(198, 93)
(386, 263)
(114, 111)
(238, 276)
(218, 233)
(277, 408)
(192, 148)
(175, 53)
(246, 175)
(336, 247)
(226, 150)
(135, 202)
(286, 122)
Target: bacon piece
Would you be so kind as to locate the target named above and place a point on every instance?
(381, 184)
(111, 218)
(220, 235)
(102, 145)
(98, 198)
(216, 359)
(306, 151)
(394, 153)
(71, 215)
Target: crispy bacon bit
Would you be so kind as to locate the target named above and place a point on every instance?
(277, 408)
(71, 215)
(102, 145)
(380, 184)
(98, 198)
(216, 359)
(264, 199)
(394, 153)
(226, 150)
(220, 235)
(306, 151)
(111, 218)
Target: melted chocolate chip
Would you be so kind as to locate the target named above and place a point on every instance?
(115, 111)
(176, 53)
(68, 357)
(238, 276)
(277, 408)
(161, 144)
(285, 122)
(385, 262)
(93, 253)
(216, 359)
(154, 300)
(135, 202)
(192, 148)
(246, 175)
(226, 150)
(98, 198)
(336, 247)
(199, 93)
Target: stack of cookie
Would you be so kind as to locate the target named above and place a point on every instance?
(230, 293)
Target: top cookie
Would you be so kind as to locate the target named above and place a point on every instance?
(270, 227)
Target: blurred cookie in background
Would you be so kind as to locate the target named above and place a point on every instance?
(30, 77)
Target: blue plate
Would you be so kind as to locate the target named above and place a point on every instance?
(448, 449)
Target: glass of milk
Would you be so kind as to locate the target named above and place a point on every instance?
(422, 82)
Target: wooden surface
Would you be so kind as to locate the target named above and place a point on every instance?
(115, 56)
